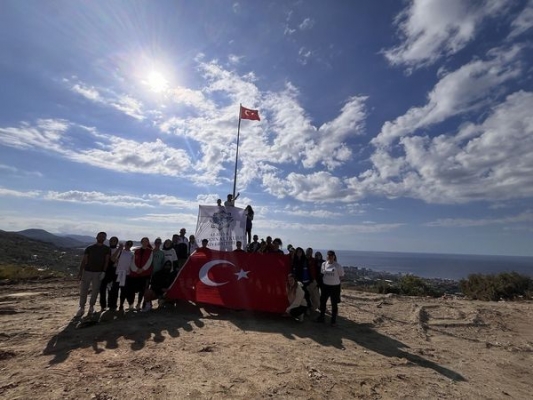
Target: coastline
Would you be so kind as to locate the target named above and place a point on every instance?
(434, 266)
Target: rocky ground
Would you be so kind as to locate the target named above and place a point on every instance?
(384, 347)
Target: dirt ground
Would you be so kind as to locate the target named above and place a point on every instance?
(384, 347)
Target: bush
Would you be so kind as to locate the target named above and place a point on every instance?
(24, 272)
(504, 286)
(411, 285)
(384, 287)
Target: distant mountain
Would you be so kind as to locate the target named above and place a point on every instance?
(85, 239)
(17, 249)
(59, 241)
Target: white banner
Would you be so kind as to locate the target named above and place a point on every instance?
(222, 226)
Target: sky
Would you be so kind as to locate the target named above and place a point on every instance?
(385, 126)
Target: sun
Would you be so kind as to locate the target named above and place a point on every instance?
(157, 82)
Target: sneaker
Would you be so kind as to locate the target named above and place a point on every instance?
(147, 307)
(91, 310)
(138, 307)
(80, 312)
(130, 307)
(300, 318)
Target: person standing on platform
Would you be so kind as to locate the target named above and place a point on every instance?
(249, 218)
(230, 202)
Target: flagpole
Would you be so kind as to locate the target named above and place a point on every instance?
(237, 154)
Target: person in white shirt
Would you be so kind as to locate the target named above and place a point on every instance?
(230, 202)
(332, 272)
(123, 263)
(193, 245)
(170, 253)
(296, 296)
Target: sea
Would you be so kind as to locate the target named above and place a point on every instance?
(428, 265)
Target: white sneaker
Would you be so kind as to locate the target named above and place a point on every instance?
(80, 312)
(91, 310)
(147, 307)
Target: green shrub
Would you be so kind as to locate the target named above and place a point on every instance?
(24, 272)
(411, 285)
(504, 286)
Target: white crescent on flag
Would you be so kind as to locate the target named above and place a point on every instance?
(204, 271)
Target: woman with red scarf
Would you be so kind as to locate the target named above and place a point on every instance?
(141, 270)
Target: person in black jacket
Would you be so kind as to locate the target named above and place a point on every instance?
(159, 284)
(300, 270)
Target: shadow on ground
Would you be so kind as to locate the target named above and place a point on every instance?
(362, 334)
(138, 328)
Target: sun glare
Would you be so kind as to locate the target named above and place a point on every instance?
(156, 82)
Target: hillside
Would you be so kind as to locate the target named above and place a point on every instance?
(17, 249)
(385, 347)
(59, 241)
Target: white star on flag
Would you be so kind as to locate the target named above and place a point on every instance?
(242, 274)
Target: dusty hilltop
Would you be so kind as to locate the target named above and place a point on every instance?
(385, 347)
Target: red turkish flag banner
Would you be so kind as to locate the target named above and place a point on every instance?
(246, 113)
(238, 280)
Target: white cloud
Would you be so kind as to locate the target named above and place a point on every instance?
(88, 92)
(108, 199)
(15, 171)
(523, 22)
(319, 186)
(525, 217)
(323, 214)
(432, 29)
(492, 160)
(124, 103)
(235, 59)
(76, 196)
(307, 24)
(46, 134)
(4, 192)
(129, 106)
(304, 55)
(470, 87)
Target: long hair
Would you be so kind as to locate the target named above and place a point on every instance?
(291, 289)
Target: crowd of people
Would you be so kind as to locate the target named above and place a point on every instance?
(141, 276)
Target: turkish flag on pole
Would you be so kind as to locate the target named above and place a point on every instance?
(246, 113)
(238, 280)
